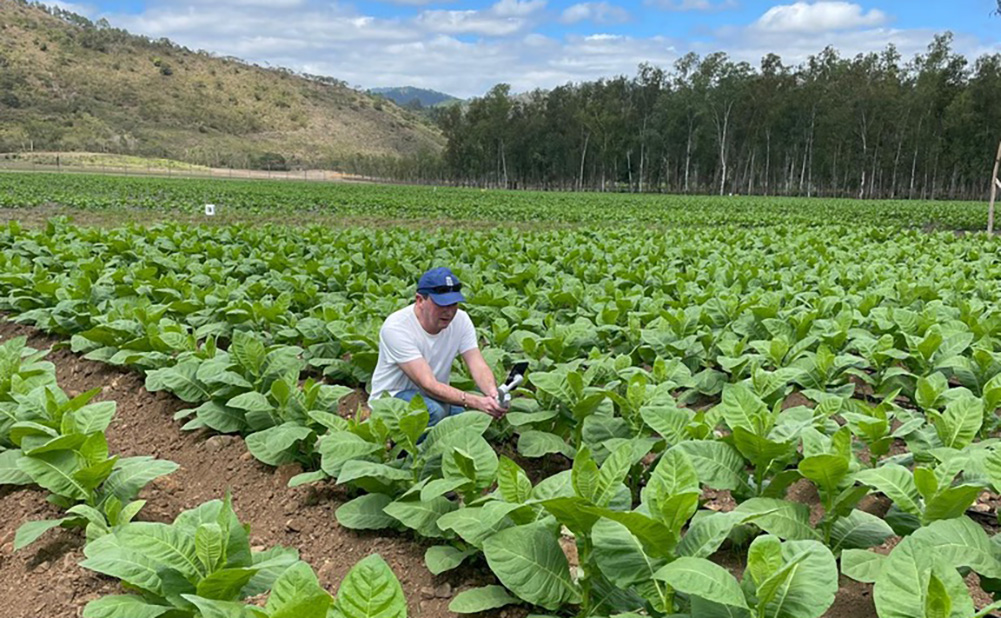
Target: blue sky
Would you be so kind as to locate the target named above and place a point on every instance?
(465, 47)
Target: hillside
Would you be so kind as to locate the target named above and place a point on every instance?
(406, 95)
(68, 84)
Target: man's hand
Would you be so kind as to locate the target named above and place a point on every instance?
(487, 404)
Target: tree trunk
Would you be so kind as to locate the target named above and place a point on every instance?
(583, 154)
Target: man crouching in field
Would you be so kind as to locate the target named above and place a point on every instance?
(418, 343)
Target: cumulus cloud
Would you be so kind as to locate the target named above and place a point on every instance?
(517, 8)
(597, 12)
(825, 16)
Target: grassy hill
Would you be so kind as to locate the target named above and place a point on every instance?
(67, 84)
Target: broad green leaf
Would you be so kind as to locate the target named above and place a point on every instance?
(441, 558)
(528, 560)
(702, 578)
(619, 555)
(896, 482)
(858, 530)
(959, 424)
(29, 532)
(421, 515)
(962, 543)
(298, 582)
(10, 473)
(370, 590)
(277, 445)
(861, 565)
(482, 599)
(901, 588)
(133, 473)
(123, 606)
(717, 464)
(786, 520)
(365, 512)
(512, 482)
(540, 443)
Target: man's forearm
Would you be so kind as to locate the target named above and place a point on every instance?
(484, 378)
(445, 393)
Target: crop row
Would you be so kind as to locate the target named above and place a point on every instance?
(201, 564)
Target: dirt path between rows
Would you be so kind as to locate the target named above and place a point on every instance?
(44, 581)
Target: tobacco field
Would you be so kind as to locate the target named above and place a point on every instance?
(811, 386)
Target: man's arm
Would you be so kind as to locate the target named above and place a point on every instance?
(419, 372)
(480, 372)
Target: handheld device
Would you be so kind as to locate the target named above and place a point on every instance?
(514, 378)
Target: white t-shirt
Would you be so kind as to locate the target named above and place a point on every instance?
(403, 339)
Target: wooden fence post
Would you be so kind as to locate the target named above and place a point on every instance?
(995, 183)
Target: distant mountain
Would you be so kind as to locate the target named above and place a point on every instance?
(67, 84)
(406, 95)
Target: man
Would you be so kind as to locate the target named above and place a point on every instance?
(418, 343)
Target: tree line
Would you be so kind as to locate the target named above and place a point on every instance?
(868, 126)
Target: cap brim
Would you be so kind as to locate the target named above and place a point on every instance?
(448, 298)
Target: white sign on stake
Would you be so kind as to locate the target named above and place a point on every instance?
(210, 210)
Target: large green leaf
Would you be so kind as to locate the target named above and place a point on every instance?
(619, 555)
(528, 560)
(133, 473)
(477, 600)
(365, 512)
(296, 584)
(123, 606)
(276, 445)
(702, 578)
(29, 532)
(806, 584)
(858, 530)
(534, 443)
(962, 543)
(897, 483)
(959, 424)
(370, 590)
(10, 472)
(441, 558)
(421, 515)
(787, 520)
(902, 584)
(717, 464)
(55, 471)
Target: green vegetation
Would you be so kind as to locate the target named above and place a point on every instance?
(236, 198)
(873, 125)
(152, 98)
(201, 565)
(664, 362)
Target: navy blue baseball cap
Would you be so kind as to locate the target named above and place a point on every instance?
(442, 286)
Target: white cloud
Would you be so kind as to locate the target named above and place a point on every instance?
(819, 17)
(517, 8)
(597, 12)
(692, 5)
(469, 22)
